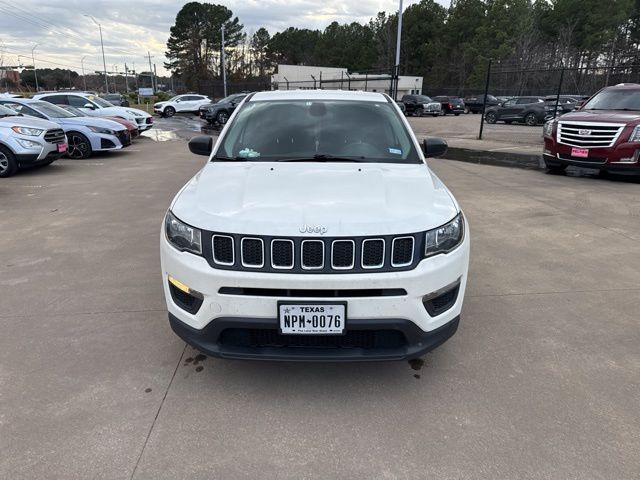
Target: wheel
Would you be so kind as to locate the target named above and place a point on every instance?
(531, 119)
(169, 112)
(555, 168)
(418, 112)
(443, 113)
(222, 117)
(79, 146)
(490, 117)
(8, 164)
(467, 110)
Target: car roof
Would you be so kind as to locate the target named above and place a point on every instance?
(318, 95)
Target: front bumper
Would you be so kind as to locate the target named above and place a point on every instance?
(243, 304)
(614, 159)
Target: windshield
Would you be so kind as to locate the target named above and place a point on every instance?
(327, 129)
(423, 99)
(112, 96)
(51, 110)
(7, 112)
(615, 100)
(72, 110)
(99, 101)
(231, 98)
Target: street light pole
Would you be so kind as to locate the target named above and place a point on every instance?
(397, 69)
(224, 68)
(35, 72)
(84, 77)
(104, 61)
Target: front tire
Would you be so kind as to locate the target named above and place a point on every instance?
(169, 112)
(418, 112)
(8, 163)
(531, 119)
(79, 146)
(467, 110)
(222, 117)
(490, 117)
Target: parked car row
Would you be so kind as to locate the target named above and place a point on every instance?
(40, 130)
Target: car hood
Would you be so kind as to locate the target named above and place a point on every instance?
(615, 116)
(348, 199)
(90, 121)
(30, 122)
(121, 111)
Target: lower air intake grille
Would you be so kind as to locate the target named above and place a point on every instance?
(365, 339)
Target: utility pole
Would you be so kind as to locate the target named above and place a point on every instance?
(35, 72)
(84, 77)
(397, 69)
(126, 77)
(104, 61)
(149, 57)
(155, 76)
(222, 61)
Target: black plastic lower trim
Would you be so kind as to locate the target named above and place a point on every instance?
(630, 169)
(32, 159)
(212, 340)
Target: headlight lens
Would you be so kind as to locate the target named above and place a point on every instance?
(635, 135)
(548, 128)
(445, 238)
(105, 131)
(135, 114)
(32, 132)
(182, 236)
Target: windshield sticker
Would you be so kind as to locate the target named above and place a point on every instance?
(248, 153)
(395, 151)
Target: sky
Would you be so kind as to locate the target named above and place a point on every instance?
(65, 36)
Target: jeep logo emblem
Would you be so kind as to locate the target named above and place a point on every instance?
(584, 132)
(321, 229)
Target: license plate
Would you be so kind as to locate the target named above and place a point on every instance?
(62, 147)
(579, 152)
(312, 318)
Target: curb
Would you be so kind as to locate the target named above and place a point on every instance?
(504, 159)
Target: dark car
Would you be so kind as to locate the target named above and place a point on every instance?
(566, 102)
(475, 103)
(529, 110)
(116, 99)
(419, 105)
(453, 105)
(220, 111)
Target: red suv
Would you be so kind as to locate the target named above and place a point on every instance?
(604, 133)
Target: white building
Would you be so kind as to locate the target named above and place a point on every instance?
(291, 77)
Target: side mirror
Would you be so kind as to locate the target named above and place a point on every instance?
(90, 106)
(201, 145)
(434, 147)
(579, 105)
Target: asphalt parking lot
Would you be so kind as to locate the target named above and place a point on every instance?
(541, 381)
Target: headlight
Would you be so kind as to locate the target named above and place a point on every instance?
(446, 238)
(105, 131)
(135, 114)
(547, 130)
(28, 143)
(32, 132)
(182, 236)
(635, 135)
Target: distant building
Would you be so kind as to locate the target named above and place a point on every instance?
(331, 78)
(11, 75)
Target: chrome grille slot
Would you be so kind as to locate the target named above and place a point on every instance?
(312, 254)
(252, 252)
(343, 254)
(282, 256)
(223, 253)
(373, 253)
(54, 136)
(402, 251)
(589, 135)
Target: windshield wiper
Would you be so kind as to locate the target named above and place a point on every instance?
(222, 158)
(322, 157)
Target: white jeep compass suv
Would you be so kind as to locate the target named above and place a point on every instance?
(316, 232)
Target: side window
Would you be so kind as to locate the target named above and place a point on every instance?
(23, 109)
(188, 98)
(78, 102)
(524, 101)
(510, 102)
(57, 99)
